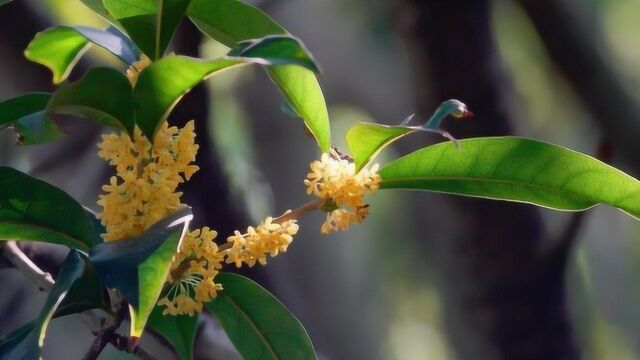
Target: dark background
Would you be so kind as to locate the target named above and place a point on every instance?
(427, 276)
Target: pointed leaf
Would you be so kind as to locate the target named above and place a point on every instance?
(33, 210)
(28, 345)
(299, 86)
(25, 113)
(151, 23)
(515, 169)
(103, 95)
(138, 266)
(258, 325)
(179, 331)
(274, 50)
(59, 48)
(367, 140)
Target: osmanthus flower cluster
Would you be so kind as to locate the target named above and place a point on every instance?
(334, 179)
(144, 191)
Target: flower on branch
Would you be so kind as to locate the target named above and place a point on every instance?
(191, 278)
(268, 238)
(144, 188)
(335, 179)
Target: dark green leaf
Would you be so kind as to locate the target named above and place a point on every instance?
(20, 106)
(179, 331)
(25, 113)
(59, 48)
(86, 293)
(366, 140)
(138, 266)
(274, 50)
(515, 169)
(299, 86)
(103, 95)
(4, 2)
(151, 23)
(33, 210)
(28, 345)
(259, 326)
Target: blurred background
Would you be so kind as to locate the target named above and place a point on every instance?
(427, 276)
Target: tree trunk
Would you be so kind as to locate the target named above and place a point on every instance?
(505, 299)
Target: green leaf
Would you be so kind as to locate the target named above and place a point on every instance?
(138, 266)
(367, 140)
(27, 345)
(299, 86)
(151, 23)
(59, 48)
(25, 113)
(33, 210)
(179, 331)
(98, 8)
(86, 293)
(258, 325)
(161, 86)
(4, 2)
(274, 50)
(515, 169)
(103, 95)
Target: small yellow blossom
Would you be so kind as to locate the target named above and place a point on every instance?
(268, 238)
(335, 179)
(144, 188)
(136, 68)
(198, 262)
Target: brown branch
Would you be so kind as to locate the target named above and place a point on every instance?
(12, 252)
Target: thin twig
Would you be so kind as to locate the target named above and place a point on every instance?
(21, 261)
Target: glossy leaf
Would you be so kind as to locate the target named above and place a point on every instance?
(86, 293)
(27, 345)
(179, 331)
(59, 48)
(515, 169)
(25, 113)
(98, 8)
(274, 50)
(33, 210)
(165, 82)
(367, 140)
(102, 95)
(258, 325)
(150, 23)
(299, 86)
(138, 266)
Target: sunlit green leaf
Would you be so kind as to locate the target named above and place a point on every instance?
(179, 331)
(138, 266)
(299, 86)
(26, 114)
(274, 50)
(366, 140)
(33, 210)
(165, 82)
(98, 8)
(27, 345)
(59, 48)
(102, 95)
(258, 325)
(515, 169)
(161, 85)
(150, 23)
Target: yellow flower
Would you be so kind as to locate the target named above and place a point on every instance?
(136, 68)
(268, 238)
(195, 266)
(335, 179)
(144, 188)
